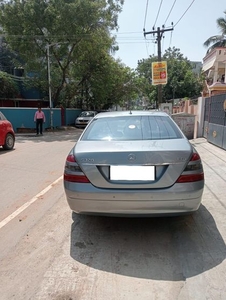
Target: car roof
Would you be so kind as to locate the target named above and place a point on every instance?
(130, 113)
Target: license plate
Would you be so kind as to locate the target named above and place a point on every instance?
(138, 173)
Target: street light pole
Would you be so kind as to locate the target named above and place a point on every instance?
(49, 81)
(50, 91)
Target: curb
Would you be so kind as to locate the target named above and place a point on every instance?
(33, 132)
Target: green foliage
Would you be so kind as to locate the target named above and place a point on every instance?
(144, 70)
(217, 40)
(8, 58)
(8, 87)
(82, 70)
(182, 82)
(77, 34)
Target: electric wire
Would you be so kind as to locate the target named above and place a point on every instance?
(160, 5)
(171, 36)
(126, 40)
(158, 13)
(163, 44)
(147, 49)
(184, 13)
(170, 11)
(145, 17)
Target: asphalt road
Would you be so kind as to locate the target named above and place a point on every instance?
(46, 252)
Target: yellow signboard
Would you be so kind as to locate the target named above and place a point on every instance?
(159, 72)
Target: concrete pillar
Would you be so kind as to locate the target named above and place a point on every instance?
(200, 117)
(215, 76)
(225, 72)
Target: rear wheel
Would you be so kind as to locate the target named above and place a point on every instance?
(9, 142)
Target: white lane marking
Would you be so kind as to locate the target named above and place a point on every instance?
(27, 204)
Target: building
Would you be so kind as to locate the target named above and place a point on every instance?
(27, 96)
(214, 69)
(196, 67)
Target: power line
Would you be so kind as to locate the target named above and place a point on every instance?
(142, 42)
(145, 17)
(163, 38)
(184, 13)
(158, 13)
(129, 32)
(170, 11)
(131, 39)
(147, 49)
(171, 38)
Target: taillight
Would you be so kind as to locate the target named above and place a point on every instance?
(193, 171)
(70, 158)
(195, 156)
(190, 178)
(72, 171)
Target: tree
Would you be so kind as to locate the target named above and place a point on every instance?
(121, 84)
(182, 82)
(144, 70)
(8, 87)
(7, 57)
(218, 40)
(68, 29)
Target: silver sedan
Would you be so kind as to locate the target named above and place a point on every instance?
(84, 118)
(133, 163)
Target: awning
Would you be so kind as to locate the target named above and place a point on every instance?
(208, 65)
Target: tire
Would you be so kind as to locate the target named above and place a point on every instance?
(9, 142)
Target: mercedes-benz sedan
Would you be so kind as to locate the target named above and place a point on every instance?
(133, 163)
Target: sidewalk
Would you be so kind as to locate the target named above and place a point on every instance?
(214, 164)
(46, 132)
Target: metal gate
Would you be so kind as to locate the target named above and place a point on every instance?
(214, 129)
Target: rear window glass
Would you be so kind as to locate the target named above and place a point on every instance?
(87, 114)
(132, 128)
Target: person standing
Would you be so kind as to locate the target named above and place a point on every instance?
(39, 118)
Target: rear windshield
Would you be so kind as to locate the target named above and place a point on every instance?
(132, 128)
(87, 114)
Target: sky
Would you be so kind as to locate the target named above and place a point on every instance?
(189, 34)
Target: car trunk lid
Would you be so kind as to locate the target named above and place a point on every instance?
(133, 164)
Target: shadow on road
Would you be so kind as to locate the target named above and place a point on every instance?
(3, 151)
(173, 248)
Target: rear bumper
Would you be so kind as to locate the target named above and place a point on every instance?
(80, 125)
(178, 199)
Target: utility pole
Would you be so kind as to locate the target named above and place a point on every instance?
(160, 33)
(50, 92)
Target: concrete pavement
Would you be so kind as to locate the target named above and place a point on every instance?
(49, 255)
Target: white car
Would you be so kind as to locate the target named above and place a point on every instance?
(84, 118)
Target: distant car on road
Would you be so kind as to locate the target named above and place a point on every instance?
(7, 135)
(84, 118)
(133, 163)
